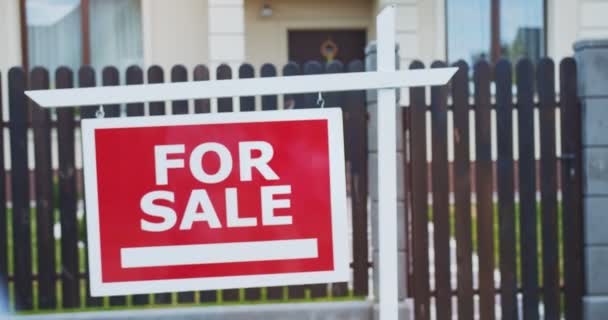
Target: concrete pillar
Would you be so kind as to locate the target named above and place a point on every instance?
(372, 107)
(592, 64)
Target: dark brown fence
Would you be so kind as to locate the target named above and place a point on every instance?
(41, 271)
(534, 242)
(487, 205)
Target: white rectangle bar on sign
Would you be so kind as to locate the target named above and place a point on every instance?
(218, 253)
(239, 87)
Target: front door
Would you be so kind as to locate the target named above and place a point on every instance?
(326, 45)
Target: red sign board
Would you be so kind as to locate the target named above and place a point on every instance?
(215, 201)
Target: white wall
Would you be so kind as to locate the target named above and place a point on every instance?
(10, 45)
(266, 38)
(226, 32)
(175, 32)
(593, 19)
(420, 29)
(10, 34)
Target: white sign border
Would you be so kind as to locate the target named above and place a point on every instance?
(341, 271)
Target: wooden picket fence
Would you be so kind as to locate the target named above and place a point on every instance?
(536, 244)
(45, 273)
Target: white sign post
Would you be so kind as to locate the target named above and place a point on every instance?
(386, 80)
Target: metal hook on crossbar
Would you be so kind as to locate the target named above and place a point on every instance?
(100, 114)
(321, 101)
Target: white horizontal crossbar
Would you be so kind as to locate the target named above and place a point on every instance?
(240, 87)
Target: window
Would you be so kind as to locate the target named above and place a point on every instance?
(490, 29)
(76, 32)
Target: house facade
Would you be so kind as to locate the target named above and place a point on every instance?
(146, 32)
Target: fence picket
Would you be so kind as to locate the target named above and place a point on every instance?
(527, 189)
(419, 199)
(201, 73)
(179, 73)
(462, 191)
(504, 179)
(135, 75)
(483, 191)
(441, 207)
(22, 241)
(268, 102)
(111, 77)
(548, 191)
(3, 216)
(157, 108)
(225, 105)
(41, 122)
(67, 197)
(224, 72)
(156, 75)
(292, 101)
(246, 71)
(357, 134)
(572, 220)
(336, 99)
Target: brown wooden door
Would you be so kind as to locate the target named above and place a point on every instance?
(326, 45)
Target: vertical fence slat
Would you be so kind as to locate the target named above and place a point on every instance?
(483, 180)
(86, 78)
(201, 73)
(291, 101)
(504, 181)
(179, 73)
(135, 75)
(269, 102)
(41, 121)
(156, 75)
(441, 206)
(225, 105)
(246, 71)
(22, 242)
(110, 77)
(357, 133)
(419, 200)
(548, 173)
(462, 191)
(336, 99)
(224, 72)
(67, 197)
(572, 219)
(527, 189)
(3, 217)
(157, 108)
(310, 101)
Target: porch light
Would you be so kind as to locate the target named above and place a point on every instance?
(266, 11)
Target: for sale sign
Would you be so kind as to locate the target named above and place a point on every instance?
(215, 201)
